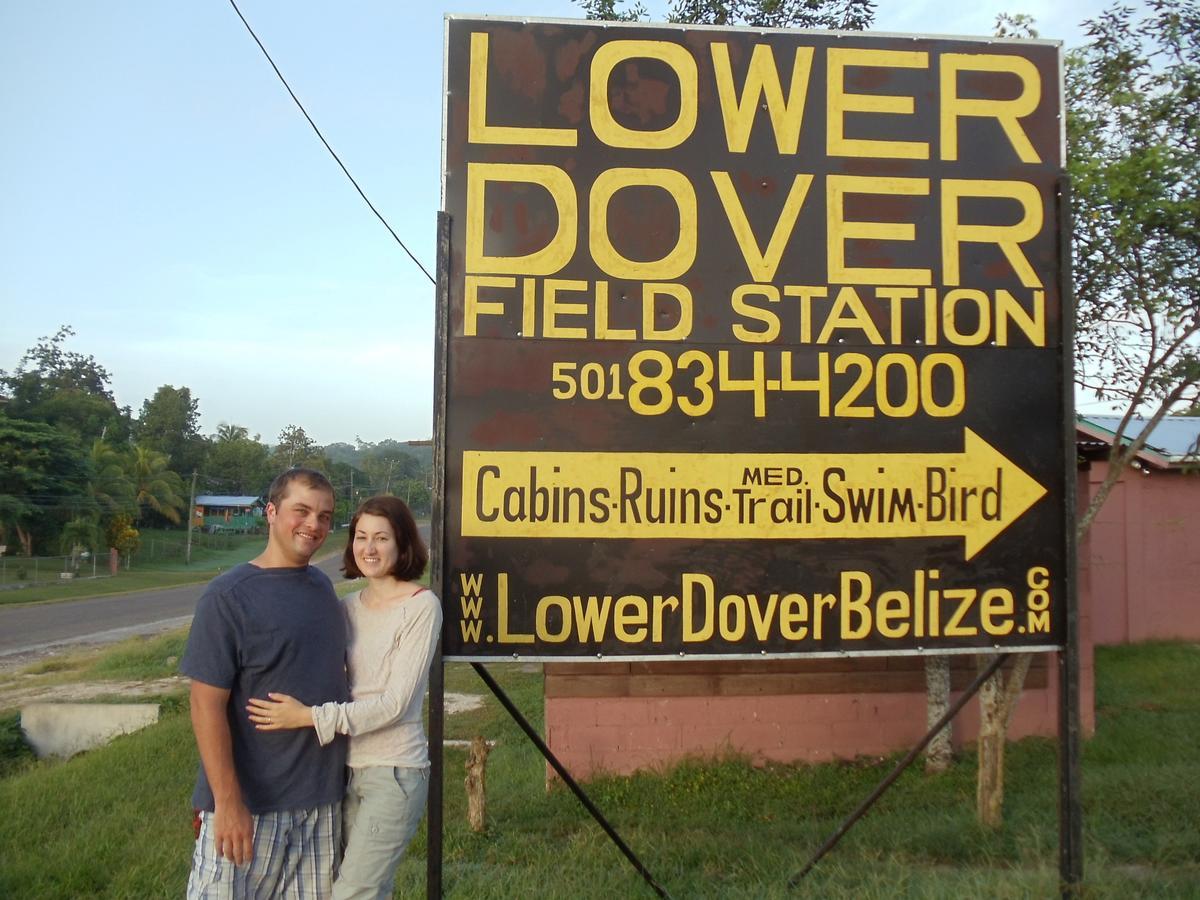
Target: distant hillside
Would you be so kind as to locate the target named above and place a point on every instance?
(356, 455)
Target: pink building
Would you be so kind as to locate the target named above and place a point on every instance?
(1144, 547)
(1139, 578)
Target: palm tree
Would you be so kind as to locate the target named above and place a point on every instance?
(79, 534)
(155, 485)
(110, 486)
(227, 432)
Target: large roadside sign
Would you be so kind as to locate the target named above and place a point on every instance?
(754, 345)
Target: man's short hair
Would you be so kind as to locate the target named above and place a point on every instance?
(412, 557)
(283, 482)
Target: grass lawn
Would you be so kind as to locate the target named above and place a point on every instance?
(115, 822)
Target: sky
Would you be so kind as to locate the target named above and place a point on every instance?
(161, 194)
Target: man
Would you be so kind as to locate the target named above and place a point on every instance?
(269, 801)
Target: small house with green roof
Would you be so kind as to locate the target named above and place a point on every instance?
(215, 513)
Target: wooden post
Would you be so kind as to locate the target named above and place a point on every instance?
(476, 783)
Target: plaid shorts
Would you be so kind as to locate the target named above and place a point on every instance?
(295, 854)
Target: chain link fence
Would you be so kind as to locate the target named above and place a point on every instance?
(156, 550)
(26, 571)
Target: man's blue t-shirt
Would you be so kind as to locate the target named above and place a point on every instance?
(259, 630)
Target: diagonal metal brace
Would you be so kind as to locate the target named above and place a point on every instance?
(912, 754)
(570, 782)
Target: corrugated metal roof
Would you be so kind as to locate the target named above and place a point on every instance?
(223, 500)
(1176, 437)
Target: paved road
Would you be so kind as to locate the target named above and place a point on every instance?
(43, 626)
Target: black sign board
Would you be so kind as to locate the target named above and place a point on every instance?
(755, 343)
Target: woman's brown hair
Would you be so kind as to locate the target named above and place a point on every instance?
(412, 556)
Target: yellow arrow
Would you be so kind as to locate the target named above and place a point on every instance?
(975, 494)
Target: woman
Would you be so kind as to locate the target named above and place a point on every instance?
(394, 625)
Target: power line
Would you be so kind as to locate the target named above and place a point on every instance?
(336, 158)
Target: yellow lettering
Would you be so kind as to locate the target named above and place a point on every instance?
(604, 331)
(966, 599)
(761, 265)
(983, 310)
(806, 294)
(629, 619)
(768, 318)
(839, 102)
(1006, 112)
(592, 615)
(893, 606)
(762, 618)
(856, 606)
(661, 604)
(681, 257)
(732, 617)
(997, 602)
(553, 308)
(1007, 237)
(896, 297)
(1032, 325)
(504, 635)
(840, 231)
(542, 623)
(793, 614)
(848, 312)
(473, 307)
(479, 132)
(691, 581)
(545, 261)
(762, 79)
(608, 129)
(651, 312)
(821, 603)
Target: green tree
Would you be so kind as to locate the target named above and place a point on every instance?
(109, 485)
(1015, 25)
(846, 15)
(415, 492)
(613, 10)
(1133, 129)
(169, 423)
(386, 464)
(79, 534)
(240, 464)
(65, 389)
(155, 486)
(296, 448)
(1134, 158)
(122, 536)
(43, 480)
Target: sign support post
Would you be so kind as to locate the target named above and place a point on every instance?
(1070, 802)
(899, 768)
(437, 540)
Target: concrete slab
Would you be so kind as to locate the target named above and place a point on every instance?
(64, 729)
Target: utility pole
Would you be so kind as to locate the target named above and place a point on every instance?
(191, 514)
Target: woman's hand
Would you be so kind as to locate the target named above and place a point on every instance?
(278, 713)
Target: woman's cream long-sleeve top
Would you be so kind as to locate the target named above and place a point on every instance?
(388, 662)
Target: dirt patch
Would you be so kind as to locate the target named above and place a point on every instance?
(461, 703)
(26, 689)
